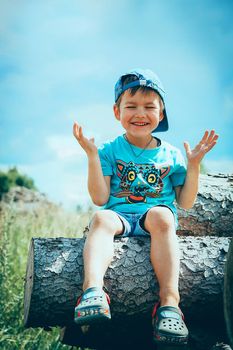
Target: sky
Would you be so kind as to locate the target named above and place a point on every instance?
(60, 60)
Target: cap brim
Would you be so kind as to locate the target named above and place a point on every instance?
(163, 125)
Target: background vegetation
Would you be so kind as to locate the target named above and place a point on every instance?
(12, 178)
(16, 230)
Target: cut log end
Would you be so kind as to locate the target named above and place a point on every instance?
(29, 282)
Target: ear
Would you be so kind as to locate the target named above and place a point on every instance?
(116, 112)
(161, 116)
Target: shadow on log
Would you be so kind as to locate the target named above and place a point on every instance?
(228, 294)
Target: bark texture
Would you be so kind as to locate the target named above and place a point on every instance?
(212, 213)
(228, 294)
(55, 274)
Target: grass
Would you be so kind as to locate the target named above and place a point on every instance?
(16, 230)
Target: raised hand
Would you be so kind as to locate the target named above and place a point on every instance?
(87, 144)
(207, 142)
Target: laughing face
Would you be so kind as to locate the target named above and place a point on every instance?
(139, 114)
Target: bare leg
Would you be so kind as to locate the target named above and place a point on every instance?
(99, 249)
(165, 257)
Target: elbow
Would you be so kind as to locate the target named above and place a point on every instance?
(100, 201)
(185, 206)
(186, 202)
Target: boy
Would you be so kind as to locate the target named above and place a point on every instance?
(137, 177)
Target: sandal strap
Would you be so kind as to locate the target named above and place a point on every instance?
(155, 309)
(167, 311)
(93, 292)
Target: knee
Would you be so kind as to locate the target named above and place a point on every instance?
(160, 219)
(105, 219)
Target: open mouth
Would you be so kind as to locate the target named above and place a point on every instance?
(140, 124)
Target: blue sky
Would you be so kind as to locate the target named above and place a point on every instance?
(59, 61)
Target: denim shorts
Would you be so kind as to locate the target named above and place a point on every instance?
(134, 223)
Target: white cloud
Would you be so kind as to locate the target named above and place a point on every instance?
(97, 120)
(65, 148)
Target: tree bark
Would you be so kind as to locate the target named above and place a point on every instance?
(228, 293)
(212, 214)
(54, 281)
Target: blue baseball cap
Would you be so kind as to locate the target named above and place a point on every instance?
(145, 78)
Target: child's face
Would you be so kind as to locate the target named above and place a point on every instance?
(139, 114)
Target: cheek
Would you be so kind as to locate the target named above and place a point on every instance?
(124, 121)
(125, 116)
(158, 114)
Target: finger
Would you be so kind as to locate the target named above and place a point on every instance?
(92, 140)
(80, 132)
(204, 138)
(187, 147)
(211, 136)
(211, 145)
(76, 129)
(215, 138)
(82, 138)
(75, 124)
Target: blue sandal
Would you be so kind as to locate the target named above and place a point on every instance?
(168, 326)
(92, 306)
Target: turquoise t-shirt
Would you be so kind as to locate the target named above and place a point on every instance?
(142, 181)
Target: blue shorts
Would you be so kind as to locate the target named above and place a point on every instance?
(134, 223)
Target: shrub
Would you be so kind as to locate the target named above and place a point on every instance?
(4, 183)
(13, 178)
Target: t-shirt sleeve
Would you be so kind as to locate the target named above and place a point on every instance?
(105, 159)
(180, 170)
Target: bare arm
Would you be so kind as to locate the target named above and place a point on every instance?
(98, 184)
(186, 194)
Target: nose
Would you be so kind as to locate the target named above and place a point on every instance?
(140, 111)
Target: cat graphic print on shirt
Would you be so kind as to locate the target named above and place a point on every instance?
(139, 181)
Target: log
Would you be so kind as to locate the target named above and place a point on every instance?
(55, 273)
(228, 293)
(212, 214)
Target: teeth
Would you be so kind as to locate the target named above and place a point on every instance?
(140, 124)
